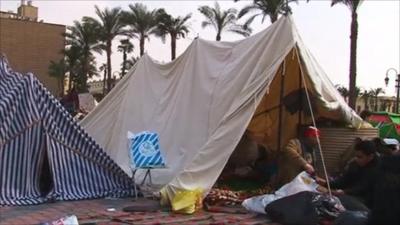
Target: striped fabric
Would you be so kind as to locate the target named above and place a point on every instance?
(145, 151)
(34, 125)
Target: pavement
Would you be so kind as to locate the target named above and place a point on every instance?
(111, 212)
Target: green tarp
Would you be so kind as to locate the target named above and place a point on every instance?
(387, 123)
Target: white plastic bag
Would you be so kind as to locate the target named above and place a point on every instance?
(68, 220)
(302, 182)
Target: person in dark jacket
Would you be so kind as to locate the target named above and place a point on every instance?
(385, 208)
(357, 180)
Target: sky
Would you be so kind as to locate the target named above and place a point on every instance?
(324, 29)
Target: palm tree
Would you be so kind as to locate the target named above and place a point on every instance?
(130, 62)
(142, 23)
(353, 6)
(84, 36)
(366, 95)
(103, 68)
(222, 20)
(375, 92)
(109, 26)
(125, 47)
(343, 91)
(264, 8)
(57, 70)
(72, 56)
(175, 27)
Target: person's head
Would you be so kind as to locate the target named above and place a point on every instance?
(392, 146)
(365, 152)
(311, 135)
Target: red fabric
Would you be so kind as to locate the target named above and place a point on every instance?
(379, 118)
(311, 132)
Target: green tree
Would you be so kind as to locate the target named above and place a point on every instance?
(73, 56)
(83, 35)
(366, 95)
(108, 27)
(125, 47)
(344, 92)
(353, 5)
(264, 8)
(130, 62)
(57, 70)
(222, 20)
(375, 93)
(142, 23)
(175, 27)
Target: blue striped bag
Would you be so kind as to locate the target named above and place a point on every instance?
(144, 150)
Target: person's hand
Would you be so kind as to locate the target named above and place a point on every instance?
(321, 181)
(338, 192)
(309, 169)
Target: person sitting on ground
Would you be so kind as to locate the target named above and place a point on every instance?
(242, 159)
(298, 156)
(357, 180)
(347, 156)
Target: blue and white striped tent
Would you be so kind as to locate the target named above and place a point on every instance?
(36, 132)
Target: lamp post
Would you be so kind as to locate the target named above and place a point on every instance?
(397, 86)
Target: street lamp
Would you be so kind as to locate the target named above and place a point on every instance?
(397, 86)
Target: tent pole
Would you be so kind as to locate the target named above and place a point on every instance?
(300, 99)
(281, 106)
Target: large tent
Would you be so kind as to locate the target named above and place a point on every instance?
(387, 123)
(201, 103)
(44, 154)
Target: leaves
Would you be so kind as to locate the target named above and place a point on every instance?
(271, 8)
(223, 20)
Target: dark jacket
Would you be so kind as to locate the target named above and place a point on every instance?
(386, 194)
(358, 181)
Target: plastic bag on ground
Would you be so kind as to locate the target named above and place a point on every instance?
(304, 208)
(187, 202)
(68, 220)
(302, 182)
(352, 218)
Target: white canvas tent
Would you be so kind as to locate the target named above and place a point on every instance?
(201, 103)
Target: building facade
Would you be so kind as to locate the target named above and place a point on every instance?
(382, 103)
(30, 45)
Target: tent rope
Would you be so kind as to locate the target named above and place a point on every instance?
(315, 125)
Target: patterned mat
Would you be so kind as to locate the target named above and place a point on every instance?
(109, 212)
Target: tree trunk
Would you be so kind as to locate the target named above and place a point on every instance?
(142, 39)
(376, 103)
(71, 77)
(105, 81)
(109, 47)
(82, 79)
(273, 17)
(353, 60)
(123, 63)
(218, 38)
(173, 46)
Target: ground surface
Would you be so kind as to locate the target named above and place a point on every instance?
(110, 212)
